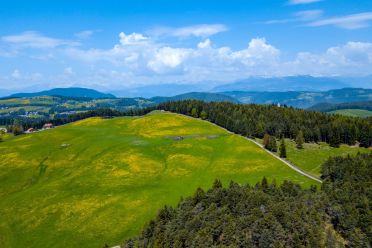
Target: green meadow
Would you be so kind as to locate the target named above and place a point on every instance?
(313, 155)
(99, 181)
(353, 112)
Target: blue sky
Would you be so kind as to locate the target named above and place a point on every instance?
(123, 44)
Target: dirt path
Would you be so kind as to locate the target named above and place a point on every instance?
(290, 165)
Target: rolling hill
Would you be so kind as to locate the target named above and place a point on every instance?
(68, 92)
(100, 180)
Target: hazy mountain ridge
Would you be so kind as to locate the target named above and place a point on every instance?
(280, 84)
(204, 96)
(303, 99)
(67, 92)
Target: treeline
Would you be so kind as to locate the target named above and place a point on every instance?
(268, 215)
(256, 120)
(19, 123)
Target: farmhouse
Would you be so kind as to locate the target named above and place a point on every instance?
(30, 130)
(48, 126)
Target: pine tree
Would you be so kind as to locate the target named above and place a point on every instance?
(203, 115)
(194, 113)
(282, 149)
(266, 140)
(300, 140)
(272, 144)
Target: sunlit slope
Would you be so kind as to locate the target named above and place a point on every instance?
(99, 180)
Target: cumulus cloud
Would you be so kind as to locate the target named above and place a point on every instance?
(132, 39)
(142, 59)
(35, 40)
(202, 30)
(354, 21)
(353, 58)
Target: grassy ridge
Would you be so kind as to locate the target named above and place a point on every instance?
(100, 180)
(353, 112)
(311, 158)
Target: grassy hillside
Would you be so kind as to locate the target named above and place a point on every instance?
(353, 112)
(311, 158)
(100, 180)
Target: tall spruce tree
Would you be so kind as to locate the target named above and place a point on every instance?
(282, 149)
(272, 144)
(266, 140)
(300, 140)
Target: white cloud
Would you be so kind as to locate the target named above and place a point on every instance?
(202, 30)
(308, 15)
(296, 2)
(167, 58)
(35, 40)
(353, 58)
(354, 21)
(132, 39)
(85, 34)
(205, 44)
(140, 59)
(300, 16)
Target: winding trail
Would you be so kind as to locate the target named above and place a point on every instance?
(290, 165)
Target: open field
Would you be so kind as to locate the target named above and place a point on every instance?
(100, 180)
(311, 158)
(353, 112)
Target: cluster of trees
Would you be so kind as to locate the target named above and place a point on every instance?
(268, 215)
(255, 120)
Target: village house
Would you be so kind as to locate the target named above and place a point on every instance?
(48, 126)
(30, 130)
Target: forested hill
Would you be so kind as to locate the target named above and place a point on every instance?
(268, 215)
(67, 92)
(256, 120)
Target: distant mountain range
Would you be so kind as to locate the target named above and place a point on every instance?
(203, 96)
(295, 83)
(302, 99)
(67, 92)
(299, 99)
